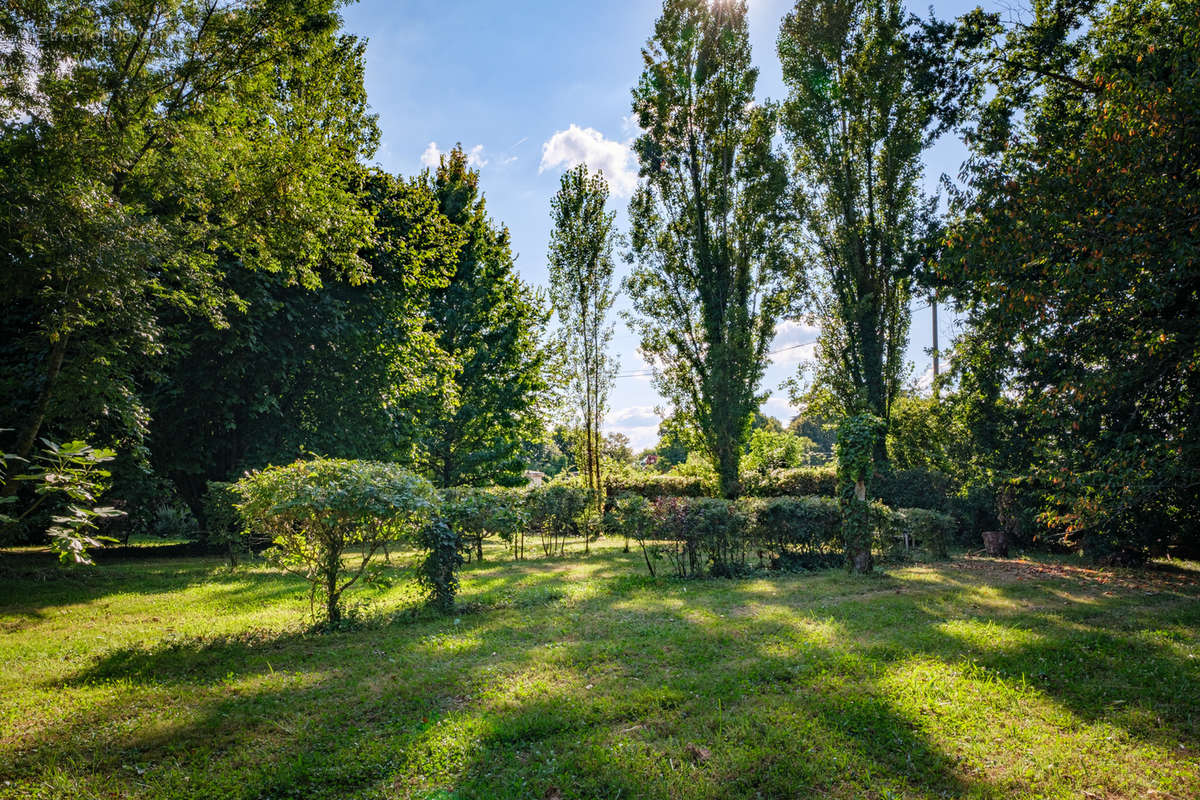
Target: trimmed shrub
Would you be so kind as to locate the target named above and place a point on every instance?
(798, 482)
(703, 536)
(796, 532)
(477, 513)
(651, 486)
(632, 516)
(558, 512)
(321, 510)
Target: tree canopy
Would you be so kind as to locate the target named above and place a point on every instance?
(711, 226)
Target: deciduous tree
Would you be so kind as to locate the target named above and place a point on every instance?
(490, 324)
(711, 226)
(859, 113)
(581, 273)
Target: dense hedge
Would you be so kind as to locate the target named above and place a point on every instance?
(796, 482)
(901, 488)
(914, 488)
(651, 486)
(713, 537)
(795, 532)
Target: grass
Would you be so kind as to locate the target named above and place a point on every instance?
(581, 678)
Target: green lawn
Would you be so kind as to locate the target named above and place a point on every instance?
(582, 678)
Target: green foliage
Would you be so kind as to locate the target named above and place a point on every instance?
(558, 512)
(913, 488)
(69, 479)
(223, 523)
(489, 323)
(711, 237)
(581, 273)
(931, 529)
(321, 511)
(919, 434)
(476, 513)
(857, 443)
(801, 481)
(1076, 241)
(675, 439)
(771, 450)
(273, 383)
(142, 145)
(820, 430)
(796, 532)
(699, 466)
(439, 569)
(858, 116)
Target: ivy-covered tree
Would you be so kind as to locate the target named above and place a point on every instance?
(1074, 256)
(581, 272)
(711, 226)
(141, 144)
(489, 323)
(859, 113)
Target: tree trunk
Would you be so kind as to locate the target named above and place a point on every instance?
(861, 561)
(333, 563)
(28, 433)
(872, 365)
(332, 610)
(728, 462)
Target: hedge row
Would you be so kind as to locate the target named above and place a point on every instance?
(904, 488)
(709, 536)
(651, 485)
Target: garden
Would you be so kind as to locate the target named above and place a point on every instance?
(329, 470)
(583, 677)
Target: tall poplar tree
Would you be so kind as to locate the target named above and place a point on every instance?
(711, 225)
(489, 323)
(860, 110)
(581, 273)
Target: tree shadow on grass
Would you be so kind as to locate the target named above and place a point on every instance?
(571, 700)
(638, 690)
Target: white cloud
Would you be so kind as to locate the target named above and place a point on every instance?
(777, 406)
(433, 156)
(577, 145)
(475, 157)
(639, 423)
(924, 382)
(794, 342)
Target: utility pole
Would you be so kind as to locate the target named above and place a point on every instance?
(933, 305)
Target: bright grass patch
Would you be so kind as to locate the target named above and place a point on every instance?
(581, 678)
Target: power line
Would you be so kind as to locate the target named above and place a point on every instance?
(646, 373)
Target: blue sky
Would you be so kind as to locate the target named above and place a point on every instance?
(530, 88)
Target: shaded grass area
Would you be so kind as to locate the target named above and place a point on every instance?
(582, 678)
